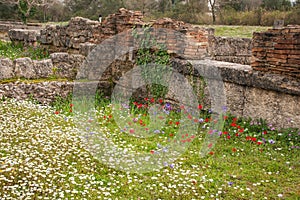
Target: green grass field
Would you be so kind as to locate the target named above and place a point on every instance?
(237, 31)
(44, 155)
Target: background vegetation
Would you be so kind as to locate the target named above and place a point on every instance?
(226, 12)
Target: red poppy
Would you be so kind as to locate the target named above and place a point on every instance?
(234, 149)
(265, 132)
(200, 107)
(56, 112)
(253, 139)
(237, 135)
(233, 124)
(193, 136)
(152, 151)
(131, 131)
(241, 130)
(210, 145)
(190, 116)
(152, 100)
(71, 110)
(238, 127)
(177, 123)
(248, 138)
(140, 105)
(181, 107)
(259, 142)
(189, 140)
(211, 153)
(207, 119)
(225, 132)
(146, 99)
(71, 105)
(228, 137)
(160, 101)
(170, 122)
(171, 135)
(225, 117)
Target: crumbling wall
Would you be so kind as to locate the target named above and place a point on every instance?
(234, 50)
(81, 34)
(277, 51)
(5, 26)
(60, 65)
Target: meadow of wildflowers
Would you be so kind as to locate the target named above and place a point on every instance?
(43, 156)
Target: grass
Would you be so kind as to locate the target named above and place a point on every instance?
(237, 31)
(13, 51)
(44, 155)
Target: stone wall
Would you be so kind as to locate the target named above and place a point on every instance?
(60, 65)
(248, 93)
(235, 50)
(81, 34)
(277, 51)
(5, 26)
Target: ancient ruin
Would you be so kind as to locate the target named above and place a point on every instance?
(261, 76)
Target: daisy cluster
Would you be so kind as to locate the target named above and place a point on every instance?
(45, 154)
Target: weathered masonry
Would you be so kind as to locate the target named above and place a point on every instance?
(261, 76)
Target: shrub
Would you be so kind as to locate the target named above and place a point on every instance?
(13, 51)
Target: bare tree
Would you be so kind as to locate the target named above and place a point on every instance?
(213, 7)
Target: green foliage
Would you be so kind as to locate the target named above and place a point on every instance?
(25, 11)
(151, 52)
(8, 11)
(276, 4)
(17, 50)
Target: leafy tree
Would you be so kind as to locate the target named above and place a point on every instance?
(276, 4)
(27, 8)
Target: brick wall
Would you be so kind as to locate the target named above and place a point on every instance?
(277, 51)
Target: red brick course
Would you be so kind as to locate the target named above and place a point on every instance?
(277, 51)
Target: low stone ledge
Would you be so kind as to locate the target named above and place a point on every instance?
(44, 92)
(28, 37)
(60, 65)
(244, 75)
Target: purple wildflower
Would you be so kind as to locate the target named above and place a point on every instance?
(271, 141)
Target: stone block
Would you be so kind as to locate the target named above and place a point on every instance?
(24, 68)
(6, 69)
(43, 68)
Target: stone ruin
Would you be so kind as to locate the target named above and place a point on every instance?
(261, 75)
